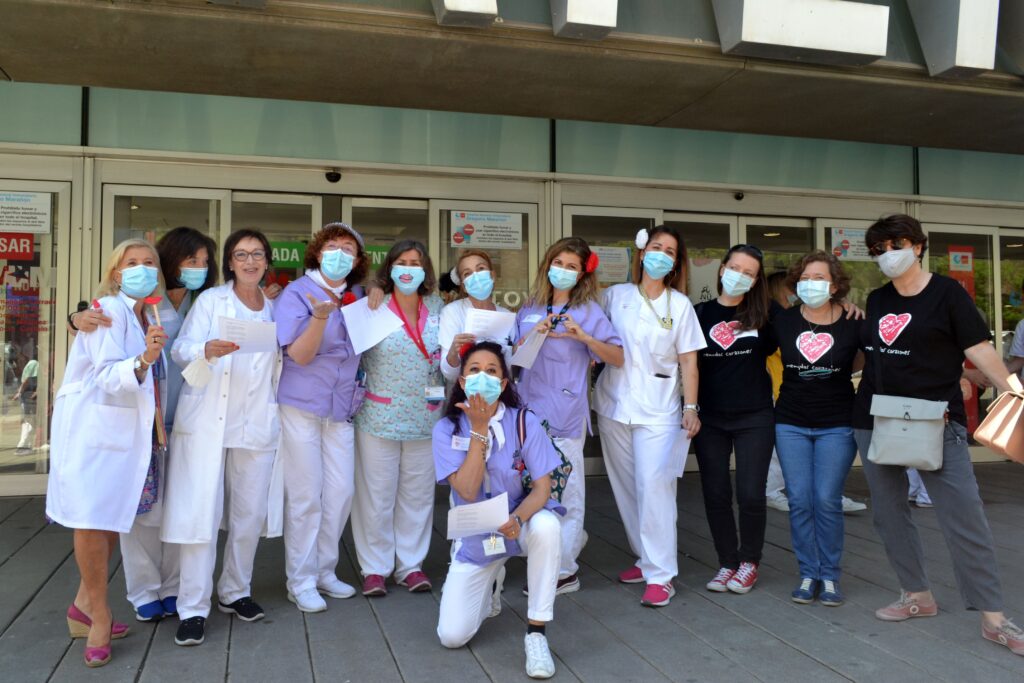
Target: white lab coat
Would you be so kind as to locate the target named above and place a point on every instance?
(102, 430)
(198, 436)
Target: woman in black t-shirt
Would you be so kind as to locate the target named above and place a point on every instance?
(736, 414)
(920, 327)
(813, 433)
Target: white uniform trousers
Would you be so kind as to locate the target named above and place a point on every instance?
(318, 459)
(639, 461)
(243, 493)
(466, 598)
(151, 567)
(394, 504)
(574, 499)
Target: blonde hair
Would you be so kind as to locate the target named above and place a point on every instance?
(583, 291)
(108, 285)
(466, 253)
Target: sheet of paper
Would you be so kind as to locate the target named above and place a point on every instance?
(478, 518)
(252, 336)
(527, 352)
(493, 325)
(680, 450)
(368, 328)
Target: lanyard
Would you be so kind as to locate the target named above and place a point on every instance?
(416, 337)
(666, 322)
(560, 313)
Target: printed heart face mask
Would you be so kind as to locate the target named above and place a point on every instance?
(891, 325)
(813, 346)
(724, 333)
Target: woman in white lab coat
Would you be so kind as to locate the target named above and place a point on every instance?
(224, 443)
(638, 407)
(474, 275)
(103, 438)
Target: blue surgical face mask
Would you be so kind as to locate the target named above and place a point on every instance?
(336, 264)
(410, 287)
(139, 281)
(488, 386)
(192, 278)
(658, 264)
(479, 285)
(561, 278)
(735, 283)
(814, 293)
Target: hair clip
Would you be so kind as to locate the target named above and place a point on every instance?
(642, 236)
(592, 262)
(454, 275)
(465, 349)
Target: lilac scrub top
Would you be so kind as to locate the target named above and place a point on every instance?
(556, 386)
(327, 386)
(538, 453)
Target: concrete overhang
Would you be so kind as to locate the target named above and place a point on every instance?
(345, 53)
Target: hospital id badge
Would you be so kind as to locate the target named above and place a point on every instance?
(434, 393)
(494, 545)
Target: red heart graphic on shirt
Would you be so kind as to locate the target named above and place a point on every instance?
(813, 346)
(891, 325)
(724, 333)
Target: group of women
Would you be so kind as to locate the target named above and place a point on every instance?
(208, 435)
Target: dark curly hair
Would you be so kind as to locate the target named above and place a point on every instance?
(335, 231)
(458, 395)
(835, 269)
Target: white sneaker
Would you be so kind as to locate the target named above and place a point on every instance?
(850, 505)
(333, 587)
(539, 663)
(778, 502)
(499, 585)
(309, 601)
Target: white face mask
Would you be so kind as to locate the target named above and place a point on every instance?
(896, 262)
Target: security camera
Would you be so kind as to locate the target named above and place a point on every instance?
(738, 196)
(333, 176)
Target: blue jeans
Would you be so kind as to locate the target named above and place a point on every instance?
(815, 462)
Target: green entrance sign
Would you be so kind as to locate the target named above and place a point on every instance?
(288, 254)
(377, 255)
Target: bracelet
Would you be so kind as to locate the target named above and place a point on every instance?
(691, 407)
(142, 361)
(71, 321)
(519, 520)
(319, 318)
(482, 438)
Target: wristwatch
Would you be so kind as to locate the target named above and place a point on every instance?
(519, 520)
(692, 407)
(141, 363)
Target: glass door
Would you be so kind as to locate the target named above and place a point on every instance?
(611, 233)
(35, 275)
(707, 239)
(149, 212)
(382, 222)
(845, 239)
(783, 240)
(1011, 285)
(288, 221)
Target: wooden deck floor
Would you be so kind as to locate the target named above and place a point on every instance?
(600, 633)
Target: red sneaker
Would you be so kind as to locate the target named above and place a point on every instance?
(373, 586)
(1009, 634)
(631, 575)
(719, 584)
(416, 582)
(658, 594)
(744, 579)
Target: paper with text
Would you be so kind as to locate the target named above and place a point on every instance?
(527, 352)
(368, 328)
(492, 325)
(252, 336)
(478, 518)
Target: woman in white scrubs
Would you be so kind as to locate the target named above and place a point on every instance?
(224, 442)
(104, 444)
(640, 418)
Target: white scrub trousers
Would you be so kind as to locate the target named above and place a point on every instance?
(394, 504)
(574, 499)
(243, 493)
(466, 599)
(151, 567)
(318, 460)
(640, 466)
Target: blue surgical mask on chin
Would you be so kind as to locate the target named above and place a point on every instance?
(415, 272)
(479, 285)
(562, 278)
(336, 264)
(488, 386)
(192, 278)
(658, 264)
(735, 283)
(139, 281)
(814, 293)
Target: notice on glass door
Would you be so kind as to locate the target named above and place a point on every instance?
(486, 230)
(848, 244)
(25, 212)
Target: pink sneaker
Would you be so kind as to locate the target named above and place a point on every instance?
(373, 586)
(906, 608)
(719, 584)
(1009, 634)
(631, 575)
(744, 578)
(658, 594)
(416, 582)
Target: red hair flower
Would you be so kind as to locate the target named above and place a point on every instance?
(465, 348)
(592, 262)
(348, 298)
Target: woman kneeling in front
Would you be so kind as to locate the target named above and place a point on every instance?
(481, 453)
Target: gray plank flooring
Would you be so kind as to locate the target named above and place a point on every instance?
(600, 633)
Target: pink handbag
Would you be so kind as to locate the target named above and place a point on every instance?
(1002, 430)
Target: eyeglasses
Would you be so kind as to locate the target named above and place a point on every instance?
(751, 247)
(242, 256)
(884, 246)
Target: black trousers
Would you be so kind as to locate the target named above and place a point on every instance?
(752, 437)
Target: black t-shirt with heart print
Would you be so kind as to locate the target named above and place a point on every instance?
(922, 339)
(733, 375)
(817, 362)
